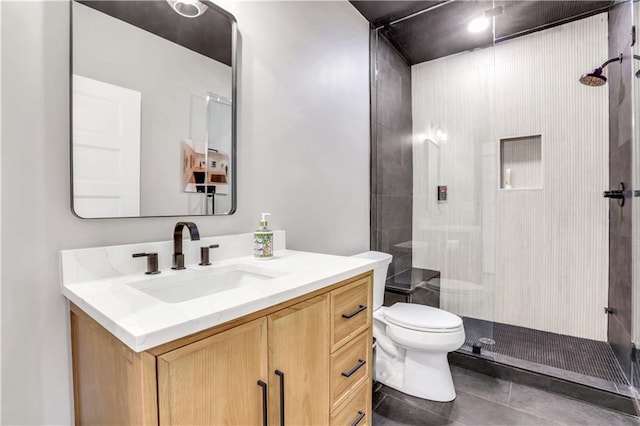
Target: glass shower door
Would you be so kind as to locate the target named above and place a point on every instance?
(454, 186)
(635, 201)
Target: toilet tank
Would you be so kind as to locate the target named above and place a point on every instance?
(379, 274)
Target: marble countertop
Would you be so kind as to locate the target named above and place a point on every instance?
(142, 321)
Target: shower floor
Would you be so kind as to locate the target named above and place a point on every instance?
(584, 361)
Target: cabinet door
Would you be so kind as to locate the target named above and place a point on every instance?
(299, 360)
(215, 381)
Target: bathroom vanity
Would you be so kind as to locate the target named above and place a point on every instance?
(293, 349)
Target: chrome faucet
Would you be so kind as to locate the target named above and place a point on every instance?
(178, 256)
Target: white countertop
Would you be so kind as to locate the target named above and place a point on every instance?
(142, 321)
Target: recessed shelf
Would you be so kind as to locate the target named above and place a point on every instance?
(521, 162)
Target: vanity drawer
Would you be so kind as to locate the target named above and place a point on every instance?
(350, 366)
(356, 410)
(350, 311)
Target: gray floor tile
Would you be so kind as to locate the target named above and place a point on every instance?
(475, 411)
(378, 396)
(393, 411)
(423, 404)
(379, 420)
(565, 410)
(486, 400)
(487, 387)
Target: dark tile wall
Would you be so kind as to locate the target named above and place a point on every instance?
(391, 153)
(620, 135)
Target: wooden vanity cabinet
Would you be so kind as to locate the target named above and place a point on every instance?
(229, 374)
(351, 353)
(214, 381)
(299, 363)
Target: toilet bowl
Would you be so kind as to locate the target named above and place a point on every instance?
(412, 342)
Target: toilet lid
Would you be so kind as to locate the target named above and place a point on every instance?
(423, 318)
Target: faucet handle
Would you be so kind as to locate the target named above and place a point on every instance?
(204, 254)
(152, 262)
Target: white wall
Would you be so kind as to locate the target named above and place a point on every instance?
(303, 148)
(540, 255)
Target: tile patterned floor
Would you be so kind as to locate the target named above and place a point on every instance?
(485, 400)
(583, 356)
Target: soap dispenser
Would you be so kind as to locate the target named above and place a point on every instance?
(263, 240)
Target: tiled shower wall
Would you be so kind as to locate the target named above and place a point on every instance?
(391, 154)
(620, 140)
(536, 256)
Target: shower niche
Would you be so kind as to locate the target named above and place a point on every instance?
(521, 162)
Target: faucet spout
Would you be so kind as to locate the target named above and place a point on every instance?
(178, 256)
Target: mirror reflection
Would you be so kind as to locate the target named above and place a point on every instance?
(153, 88)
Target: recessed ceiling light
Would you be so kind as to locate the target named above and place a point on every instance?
(188, 8)
(478, 24)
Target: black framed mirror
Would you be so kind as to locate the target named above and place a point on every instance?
(153, 115)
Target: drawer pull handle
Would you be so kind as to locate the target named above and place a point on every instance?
(360, 417)
(349, 373)
(354, 313)
(265, 414)
(281, 375)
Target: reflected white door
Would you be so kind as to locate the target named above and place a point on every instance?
(106, 149)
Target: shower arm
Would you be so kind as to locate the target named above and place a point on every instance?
(616, 59)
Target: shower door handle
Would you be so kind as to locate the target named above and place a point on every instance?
(617, 194)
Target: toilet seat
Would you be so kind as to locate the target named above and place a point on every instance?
(422, 318)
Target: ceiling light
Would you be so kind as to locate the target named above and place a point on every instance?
(188, 8)
(478, 24)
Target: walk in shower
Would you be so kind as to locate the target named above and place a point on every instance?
(489, 163)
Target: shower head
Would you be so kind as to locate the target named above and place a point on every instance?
(596, 78)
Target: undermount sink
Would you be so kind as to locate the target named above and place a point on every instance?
(189, 285)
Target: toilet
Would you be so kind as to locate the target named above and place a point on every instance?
(412, 341)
